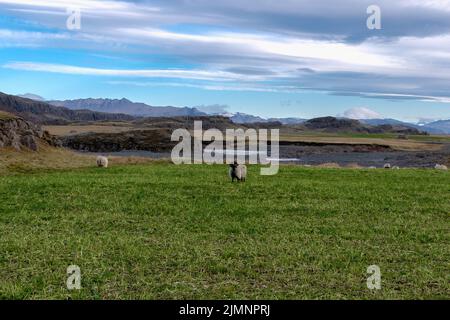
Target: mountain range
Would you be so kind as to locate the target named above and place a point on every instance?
(124, 109)
(43, 113)
(242, 118)
(435, 127)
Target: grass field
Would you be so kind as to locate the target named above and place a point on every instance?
(160, 231)
(49, 158)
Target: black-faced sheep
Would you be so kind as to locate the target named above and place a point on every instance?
(238, 172)
(102, 162)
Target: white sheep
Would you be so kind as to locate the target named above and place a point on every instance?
(387, 166)
(441, 167)
(238, 172)
(102, 162)
(396, 168)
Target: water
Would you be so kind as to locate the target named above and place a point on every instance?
(364, 159)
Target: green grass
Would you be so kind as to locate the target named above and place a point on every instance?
(6, 116)
(185, 232)
(421, 138)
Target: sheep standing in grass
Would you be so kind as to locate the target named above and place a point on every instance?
(441, 167)
(238, 172)
(396, 168)
(102, 162)
(387, 166)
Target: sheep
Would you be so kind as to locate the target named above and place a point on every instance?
(441, 167)
(238, 172)
(387, 166)
(396, 168)
(102, 162)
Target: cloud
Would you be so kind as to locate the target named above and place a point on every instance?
(213, 108)
(87, 5)
(393, 96)
(357, 55)
(361, 113)
(213, 86)
(139, 73)
(311, 18)
(276, 46)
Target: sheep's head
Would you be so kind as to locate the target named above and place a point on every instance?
(234, 165)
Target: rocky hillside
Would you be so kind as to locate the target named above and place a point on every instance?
(332, 124)
(155, 140)
(20, 134)
(44, 113)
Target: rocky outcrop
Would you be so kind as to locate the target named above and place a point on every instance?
(332, 124)
(157, 140)
(20, 134)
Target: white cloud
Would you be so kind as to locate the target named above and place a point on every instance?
(214, 86)
(433, 4)
(272, 37)
(142, 73)
(82, 4)
(289, 47)
(405, 97)
(213, 109)
(361, 113)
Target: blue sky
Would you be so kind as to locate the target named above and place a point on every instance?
(300, 58)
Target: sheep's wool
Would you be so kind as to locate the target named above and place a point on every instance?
(102, 162)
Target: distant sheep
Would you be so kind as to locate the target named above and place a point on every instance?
(396, 168)
(238, 172)
(387, 166)
(102, 162)
(441, 167)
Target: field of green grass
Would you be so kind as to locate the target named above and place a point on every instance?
(161, 231)
(421, 138)
(433, 138)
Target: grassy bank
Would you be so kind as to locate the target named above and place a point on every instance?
(164, 231)
(51, 159)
